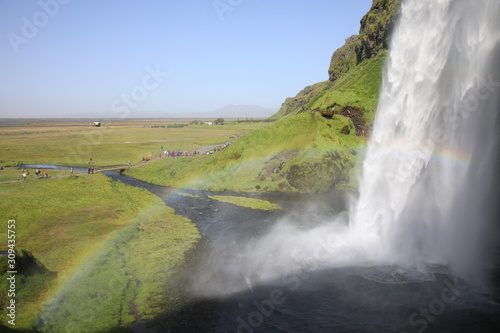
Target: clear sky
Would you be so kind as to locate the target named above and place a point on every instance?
(68, 58)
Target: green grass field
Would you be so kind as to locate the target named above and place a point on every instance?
(15, 173)
(112, 144)
(114, 248)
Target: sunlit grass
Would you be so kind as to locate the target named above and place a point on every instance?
(111, 245)
(359, 87)
(108, 145)
(247, 202)
(15, 173)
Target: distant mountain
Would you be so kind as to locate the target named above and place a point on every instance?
(228, 111)
(231, 111)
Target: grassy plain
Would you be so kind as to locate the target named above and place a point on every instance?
(15, 173)
(116, 142)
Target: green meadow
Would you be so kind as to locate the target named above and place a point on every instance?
(15, 173)
(112, 251)
(115, 143)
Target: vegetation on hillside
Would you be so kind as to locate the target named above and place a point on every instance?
(301, 153)
(357, 88)
(299, 102)
(371, 43)
(376, 28)
(343, 59)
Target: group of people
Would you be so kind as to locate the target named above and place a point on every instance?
(174, 153)
(38, 173)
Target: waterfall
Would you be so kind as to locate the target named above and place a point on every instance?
(429, 179)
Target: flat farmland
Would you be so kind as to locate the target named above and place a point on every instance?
(74, 143)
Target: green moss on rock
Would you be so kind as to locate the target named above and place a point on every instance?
(343, 59)
(376, 29)
(372, 41)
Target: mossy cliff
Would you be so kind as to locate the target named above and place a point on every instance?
(376, 29)
(361, 89)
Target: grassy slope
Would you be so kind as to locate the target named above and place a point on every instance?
(313, 149)
(293, 104)
(359, 88)
(106, 241)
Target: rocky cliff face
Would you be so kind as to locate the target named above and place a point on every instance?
(374, 36)
(344, 58)
(376, 28)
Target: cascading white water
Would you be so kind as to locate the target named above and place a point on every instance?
(427, 189)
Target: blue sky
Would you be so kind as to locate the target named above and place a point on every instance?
(68, 58)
